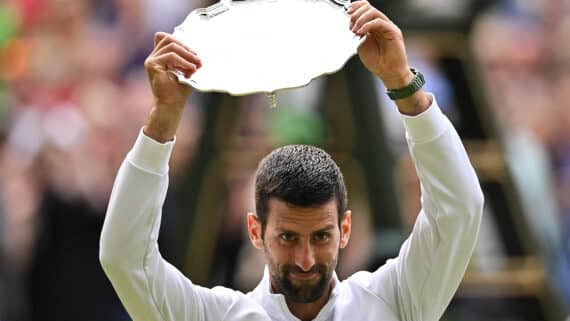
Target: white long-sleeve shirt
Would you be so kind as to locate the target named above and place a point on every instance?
(415, 286)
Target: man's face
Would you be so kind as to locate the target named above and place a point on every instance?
(301, 246)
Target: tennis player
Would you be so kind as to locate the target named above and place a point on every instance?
(301, 220)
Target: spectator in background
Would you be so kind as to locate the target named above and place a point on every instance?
(65, 89)
(519, 46)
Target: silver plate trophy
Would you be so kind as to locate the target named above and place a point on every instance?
(261, 46)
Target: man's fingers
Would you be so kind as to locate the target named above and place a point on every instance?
(355, 5)
(388, 29)
(158, 37)
(366, 17)
(357, 13)
(180, 51)
(162, 39)
(171, 61)
(170, 53)
(360, 8)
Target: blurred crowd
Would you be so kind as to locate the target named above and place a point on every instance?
(73, 95)
(522, 48)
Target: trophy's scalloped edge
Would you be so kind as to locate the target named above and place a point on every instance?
(183, 80)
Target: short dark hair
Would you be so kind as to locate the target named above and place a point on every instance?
(300, 175)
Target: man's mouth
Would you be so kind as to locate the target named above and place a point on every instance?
(304, 275)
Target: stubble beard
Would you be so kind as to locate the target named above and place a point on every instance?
(303, 292)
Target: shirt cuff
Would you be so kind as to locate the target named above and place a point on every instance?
(426, 126)
(150, 155)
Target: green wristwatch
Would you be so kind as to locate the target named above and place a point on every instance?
(416, 84)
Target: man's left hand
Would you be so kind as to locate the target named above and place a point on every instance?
(383, 52)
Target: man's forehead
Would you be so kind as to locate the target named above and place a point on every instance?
(283, 215)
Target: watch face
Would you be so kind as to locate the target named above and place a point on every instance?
(265, 45)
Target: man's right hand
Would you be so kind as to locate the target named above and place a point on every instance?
(169, 54)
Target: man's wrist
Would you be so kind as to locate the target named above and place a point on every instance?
(415, 104)
(162, 123)
(411, 105)
(397, 82)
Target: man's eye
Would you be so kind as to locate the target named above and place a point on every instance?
(287, 237)
(321, 236)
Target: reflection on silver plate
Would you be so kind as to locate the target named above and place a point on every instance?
(253, 46)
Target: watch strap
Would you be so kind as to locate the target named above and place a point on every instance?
(416, 84)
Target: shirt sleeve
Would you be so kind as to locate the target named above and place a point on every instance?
(421, 281)
(148, 286)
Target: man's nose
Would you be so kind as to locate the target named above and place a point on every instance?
(305, 256)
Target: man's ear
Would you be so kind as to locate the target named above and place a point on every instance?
(345, 226)
(254, 230)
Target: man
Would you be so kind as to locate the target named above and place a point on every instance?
(301, 220)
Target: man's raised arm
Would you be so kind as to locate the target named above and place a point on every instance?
(148, 286)
(421, 281)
